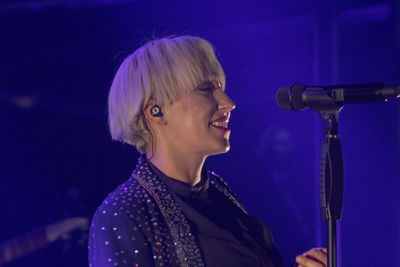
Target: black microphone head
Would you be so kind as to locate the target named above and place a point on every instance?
(290, 97)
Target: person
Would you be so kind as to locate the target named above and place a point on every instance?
(168, 100)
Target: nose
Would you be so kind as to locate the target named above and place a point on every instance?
(224, 102)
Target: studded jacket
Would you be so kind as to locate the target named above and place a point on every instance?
(141, 224)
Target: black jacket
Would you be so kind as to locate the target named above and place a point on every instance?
(141, 224)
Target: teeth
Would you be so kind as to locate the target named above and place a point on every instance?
(220, 124)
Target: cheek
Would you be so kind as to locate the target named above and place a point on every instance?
(193, 113)
(200, 106)
(198, 116)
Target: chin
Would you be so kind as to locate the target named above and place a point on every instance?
(226, 150)
(223, 149)
(227, 147)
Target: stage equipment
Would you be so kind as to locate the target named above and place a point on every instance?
(299, 97)
(328, 102)
(39, 238)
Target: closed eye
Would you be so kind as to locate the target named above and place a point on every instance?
(206, 89)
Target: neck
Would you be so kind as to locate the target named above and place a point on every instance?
(180, 167)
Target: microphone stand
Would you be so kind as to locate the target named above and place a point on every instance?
(331, 178)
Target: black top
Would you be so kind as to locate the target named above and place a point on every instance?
(226, 235)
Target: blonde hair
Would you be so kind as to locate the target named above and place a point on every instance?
(161, 70)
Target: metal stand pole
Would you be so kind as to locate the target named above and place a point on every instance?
(331, 181)
(332, 246)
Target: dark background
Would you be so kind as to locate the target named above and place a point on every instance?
(57, 160)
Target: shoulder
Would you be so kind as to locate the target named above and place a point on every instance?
(116, 232)
(126, 201)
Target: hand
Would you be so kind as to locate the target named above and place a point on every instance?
(316, 257)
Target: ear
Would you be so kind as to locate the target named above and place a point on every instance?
(153, 120)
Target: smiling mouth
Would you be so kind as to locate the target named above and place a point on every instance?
(222, 124)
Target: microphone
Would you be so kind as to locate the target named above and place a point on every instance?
(299, 96)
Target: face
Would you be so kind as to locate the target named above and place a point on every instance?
(198, 122)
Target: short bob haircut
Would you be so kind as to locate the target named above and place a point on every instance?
(161, 70)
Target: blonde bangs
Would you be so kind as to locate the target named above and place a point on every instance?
(186, 63)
